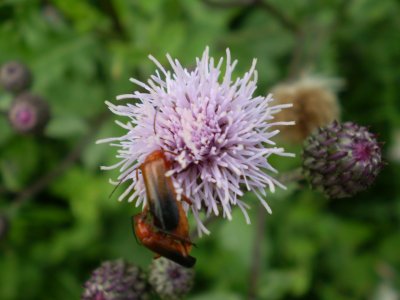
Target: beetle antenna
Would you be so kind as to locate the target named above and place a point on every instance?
(119, 183)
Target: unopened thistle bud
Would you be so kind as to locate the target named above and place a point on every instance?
(116, 280)
(170, 280)
(15, 77)
(314, 105)
(29, 113)
(341, 159)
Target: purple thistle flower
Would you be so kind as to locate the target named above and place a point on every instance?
(342, 159)
(170, 280)
(220, 134)
(116, 280)
(29, 114)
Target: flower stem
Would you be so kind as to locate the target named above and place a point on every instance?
(255, 268)
(278, 15)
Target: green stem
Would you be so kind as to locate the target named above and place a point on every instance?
(255, 268)
(283, 19)
(63, 165)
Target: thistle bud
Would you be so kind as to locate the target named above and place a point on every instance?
(170, 280)
(116, 280)
(29, 113)
(15, 77)
(3, 227)
(314, 105)
(341, 159)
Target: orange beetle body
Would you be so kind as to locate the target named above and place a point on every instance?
(160, 192)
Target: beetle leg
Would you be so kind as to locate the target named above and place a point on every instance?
(170, 152)
(137, 173)
(182, 249)
(186, 199)
(177, 237)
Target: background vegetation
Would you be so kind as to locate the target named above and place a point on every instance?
(62, 224)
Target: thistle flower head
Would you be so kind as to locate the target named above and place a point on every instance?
(170, 280)
(314, 105)
(116, 280)
(342, 159)
(29, 113)
(219, 134)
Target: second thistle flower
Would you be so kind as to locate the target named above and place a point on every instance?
(116, 280)
(219, 133)
(342, 159)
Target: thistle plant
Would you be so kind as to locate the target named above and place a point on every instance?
(217, 135)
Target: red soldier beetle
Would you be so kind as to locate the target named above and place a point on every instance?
(160, 192)
(164, 244)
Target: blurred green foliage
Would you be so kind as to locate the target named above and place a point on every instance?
(83, 52)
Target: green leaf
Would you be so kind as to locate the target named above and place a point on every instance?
(66, 126)
(216, 295)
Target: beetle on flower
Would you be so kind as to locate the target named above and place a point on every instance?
(216, 134)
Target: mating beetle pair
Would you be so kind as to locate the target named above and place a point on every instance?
(162, 226)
